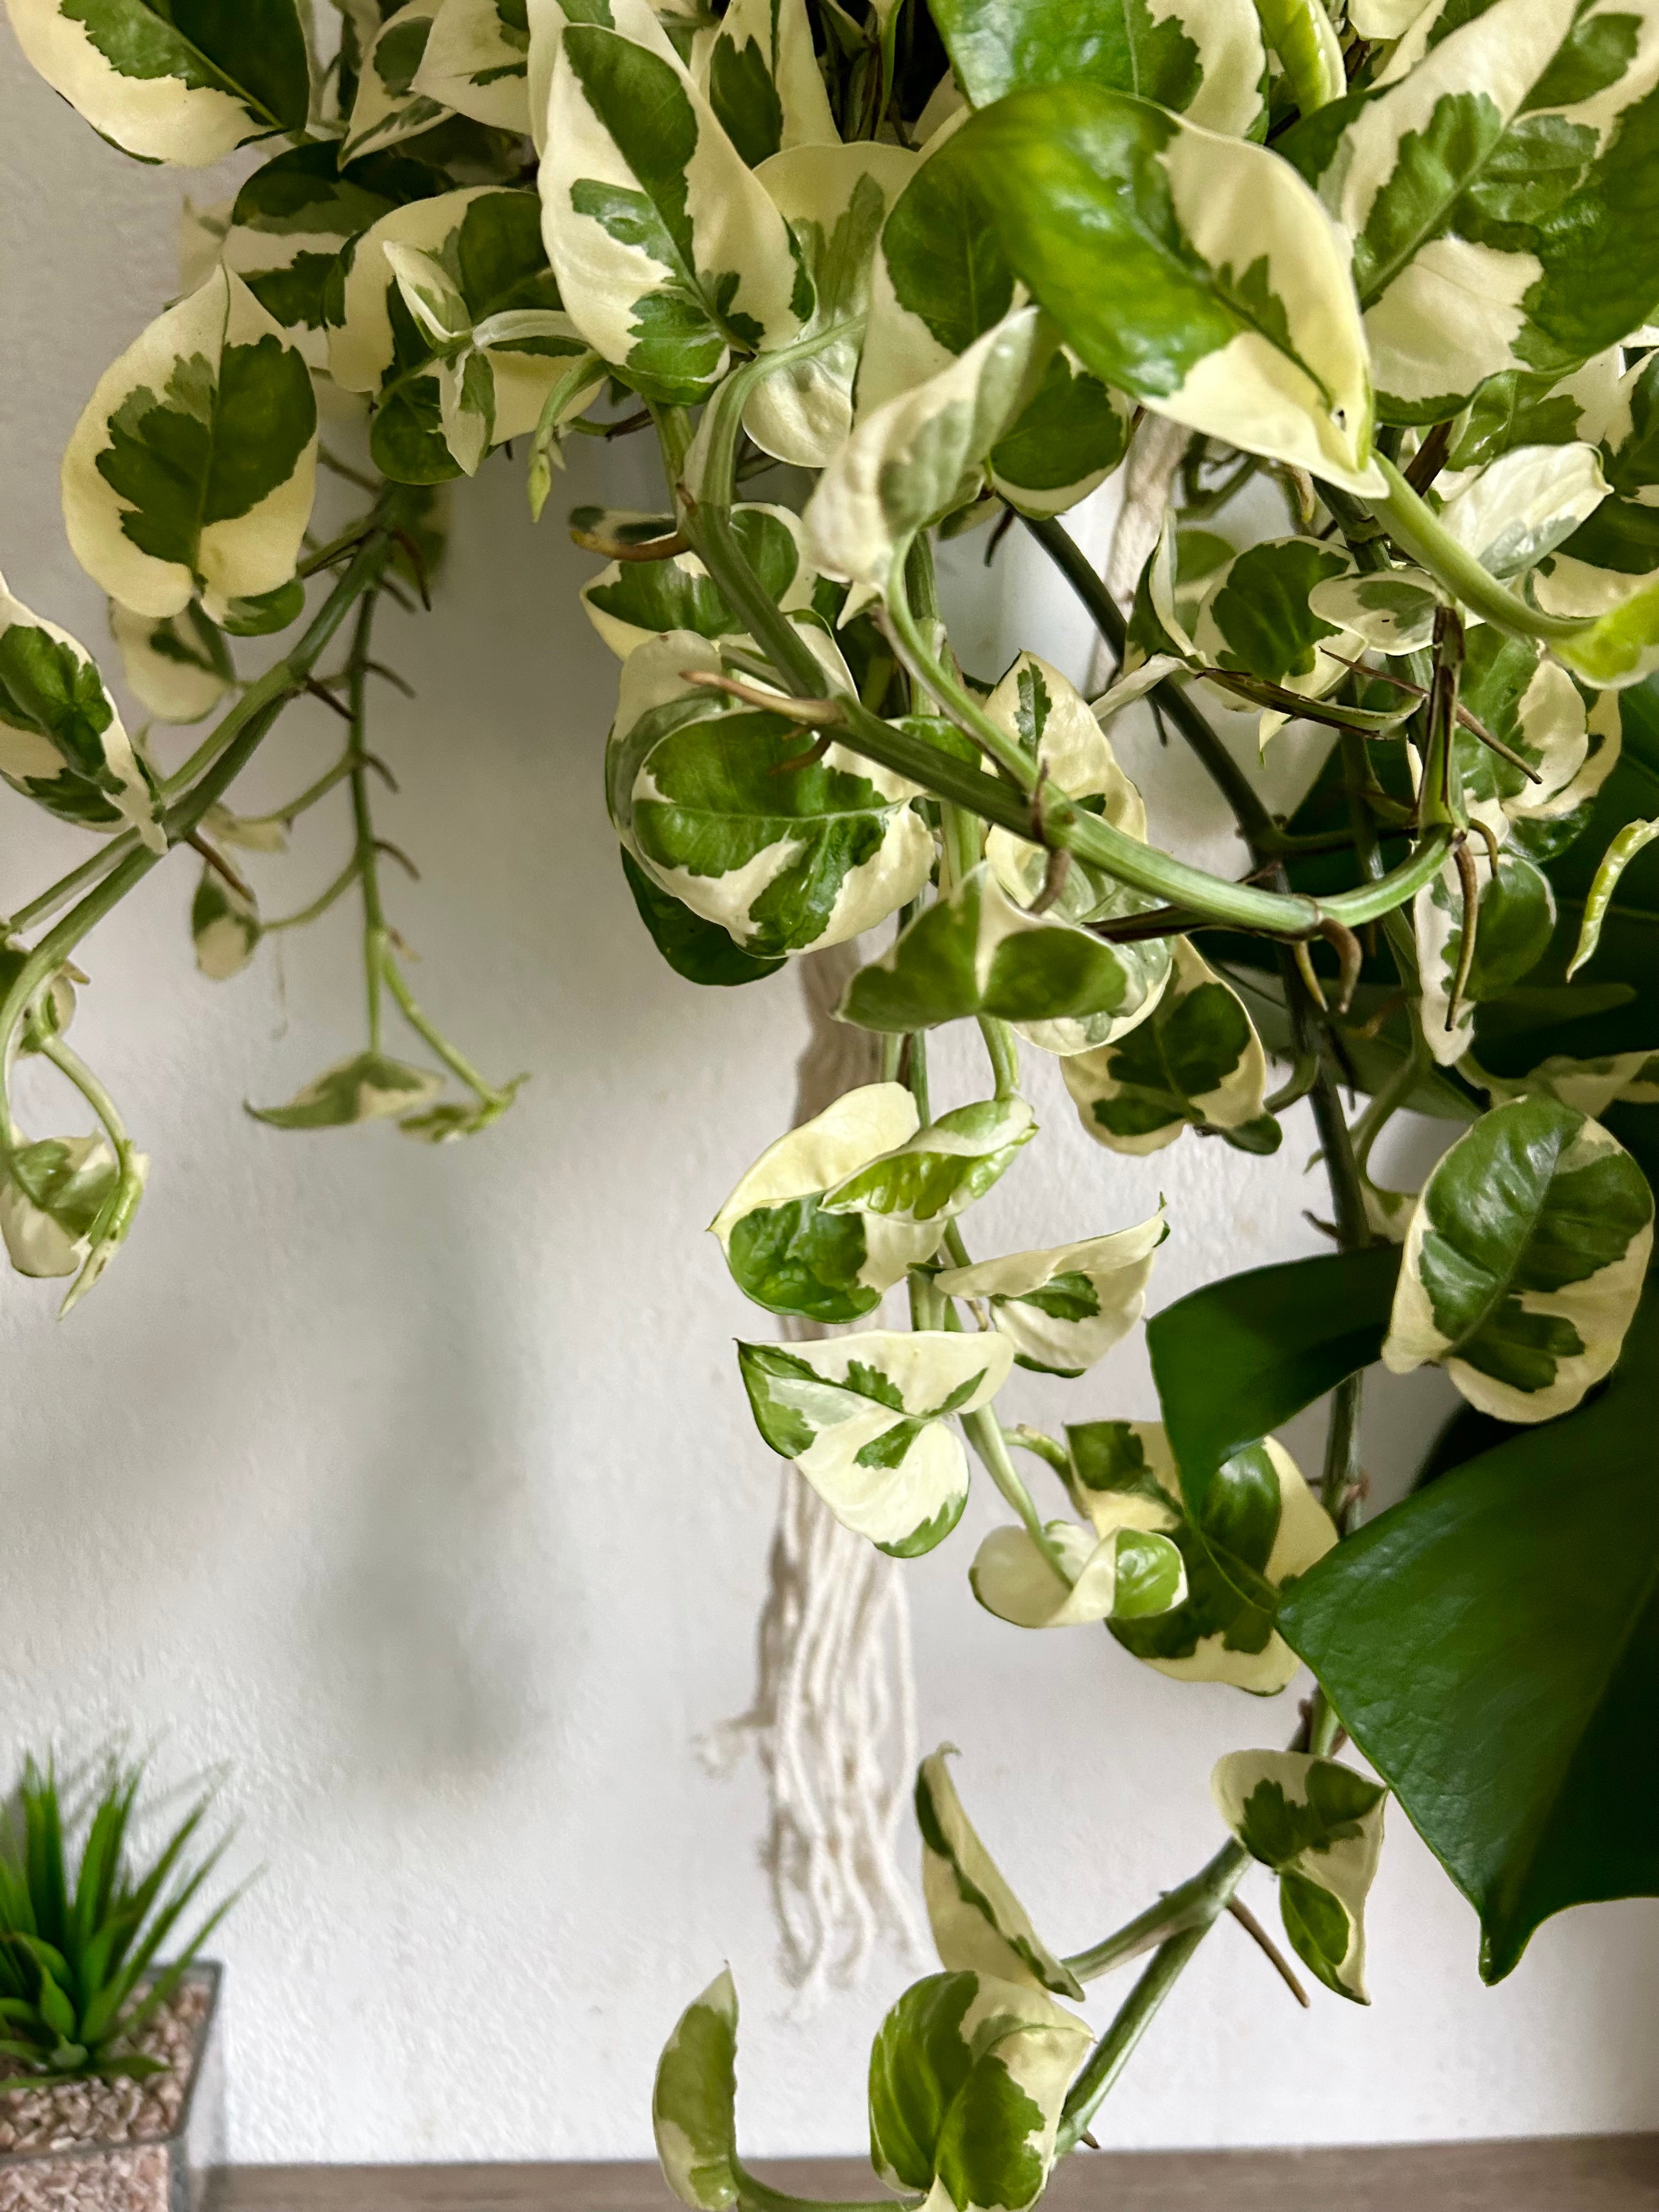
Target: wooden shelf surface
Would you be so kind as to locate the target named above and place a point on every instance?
(1550, 2173)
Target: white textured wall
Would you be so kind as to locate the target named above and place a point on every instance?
(419, 1486)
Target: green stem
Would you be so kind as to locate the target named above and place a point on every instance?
(496, 1102)
(963, 709)
(70, 1065)
(984, 1432)
(319, 905)
(1043, 1447)
(247, 724)
(1111, 2054)
(1196, 1903)
(1003, 1049)
(309, 797)
(66, 886)
(1419, 533)
(366, 858)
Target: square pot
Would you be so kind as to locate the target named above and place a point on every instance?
(152, 2146)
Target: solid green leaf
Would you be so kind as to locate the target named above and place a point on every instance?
(1492, 1645)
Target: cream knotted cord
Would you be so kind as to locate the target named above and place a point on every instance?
(834, 1715)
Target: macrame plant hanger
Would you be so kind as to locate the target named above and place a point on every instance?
(834, 1715)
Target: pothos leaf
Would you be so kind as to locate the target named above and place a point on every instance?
(694, 2101)
(293, 221)
(1131, 1571)
(864, 1417)
(967, 2077)
(668, 251)
(389, 105)
(1524, 1261)
(54, 1194)
(169, 83)
(934, 1174)
(176, 665)
(61, 740)
(1516, 919)
(1319, 1826)
(487, 243)
(764, 82)
(1206, 62)
(977, 952)
(1198, 273)
(476, 62)
(1195, 1062)
(630, 601)
(193, 467)
(1064, 1309)
(225, 927)
(367, 1087)
(702, 951)
(835, 199)
(1491, 189)
(1497, 1682)
(1257, 1515)
(916, 458)
(789, 1254)
(1521, 506)
(978, 1925)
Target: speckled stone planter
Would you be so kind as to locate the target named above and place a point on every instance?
(152, 2146)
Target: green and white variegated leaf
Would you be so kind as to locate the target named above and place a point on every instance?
(669, 251)
(940, 283)
(252, 832)
(1202, 58)
(864, 1418)
(389, 106)
(1493, 188)
(486, 242)
(1588, 1087)
(201, 232)
(968, 2076)
(1629, 841)
(1195, 1062)
(367, 1087)
(1384, 19)
(783, 858)
(1197, 273)
(1530, 704)
(62, 742)
(1621, 647)
(1389, 611)
(977, 952)
(764, 82)
(1258, 1509)
(177, 666)
(1319, 1826)
(1524, 1261)
(293, 221)
(630, 601)
(1522, 407)
(193, 467)
(940, 1170)
(476, 62)
(835, 199)
(1042, 709)
(185, 93)
(920, 456)
(1516, 918)
(51, 1202)
(790, 1256)
(1131, 1572)
(1255, 617)
(694, 2100)
(224, 925)
(1616, 552)
(979, 1925)
(1521, 506)
(1067, 1308)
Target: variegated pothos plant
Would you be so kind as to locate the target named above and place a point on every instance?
(874, 272)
